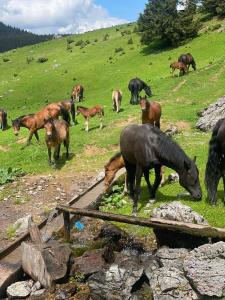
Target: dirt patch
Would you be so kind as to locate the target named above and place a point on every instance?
(181, 125)
(91, 150)
(21, 140)
(4, 148)
(179, 85)
(130, 120)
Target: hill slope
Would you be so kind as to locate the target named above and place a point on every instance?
(101, 67)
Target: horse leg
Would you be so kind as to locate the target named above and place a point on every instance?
(36, 135)
(86, 124)
(158, 178)
(49, 155)
(57, 152)
(125, 190)
(117, 105)
(101, 117)
(130, 178)
(114, 104)
(138, 175)
(157, 123)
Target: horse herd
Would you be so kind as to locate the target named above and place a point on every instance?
(142, 147)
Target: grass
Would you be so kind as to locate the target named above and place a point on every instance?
(100, 69)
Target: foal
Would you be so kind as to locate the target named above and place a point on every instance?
(56, 133)
(180, 66)
(89, 113)
(116, 100)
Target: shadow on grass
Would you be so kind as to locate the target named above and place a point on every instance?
(62, 160)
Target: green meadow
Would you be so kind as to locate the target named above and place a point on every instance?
(100, 67)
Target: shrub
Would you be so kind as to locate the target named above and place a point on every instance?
(70, 40)
(87, 42)
(79, 43)
(15, 75)
(130, 41)
(9, 174)
(106, 37)
(29, 60)
(42, 59)
(95, 40)
(69, 47)
(120, 49)
(5, 59)
(216, 26)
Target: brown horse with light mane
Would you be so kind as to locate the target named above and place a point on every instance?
(77, 93)
(180, 66)
(34, 122)
(89, 113)
(116, 100)
(151, 112)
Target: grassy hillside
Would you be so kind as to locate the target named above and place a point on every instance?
(26, 88)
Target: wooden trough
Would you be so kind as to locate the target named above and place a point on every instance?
(155, 223)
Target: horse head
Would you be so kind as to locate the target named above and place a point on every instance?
(16, 126)
(49, 126)
(144, 104)
(189, 179)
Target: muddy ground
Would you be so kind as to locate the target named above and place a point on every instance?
(37, 196)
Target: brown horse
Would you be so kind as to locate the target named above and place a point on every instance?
(180, 66)
(3, 119)
(151, 112)
(34, 122)
(56, 133)
(116, 100)
(89, 113)
(70, 107)
(188, 60)
(77, 93)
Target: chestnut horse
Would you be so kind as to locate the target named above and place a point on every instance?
(34, 122)
(89, 113)
(70, 107)
(116, 100)
(3, 119)
(151, 112)
(180, 66)
(77, 93)
(56, 133)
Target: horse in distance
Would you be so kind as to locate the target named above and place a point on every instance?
(3, 119)
(151, 112)
(188, 60)
(146, 147)
(135, 86)
(56, 133)
(88, 113)
(215, 167)
(116, 100)
(77, 93)
(179, 66)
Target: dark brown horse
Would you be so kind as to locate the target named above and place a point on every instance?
(151, 112)
(88, 113)
(188, 60)
(34, 122)
(56, 133)
(70, 107)
(136, 85)
(3, 119)
(180, 66)
(77, 93)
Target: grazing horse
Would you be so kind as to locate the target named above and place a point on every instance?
(135, 86)
(70, 107)
(188, 60)
(151, 112)
(77, 93)
(89, 113)
(3, 119)
(56, 133)
(145, 147)
(34, 122)
(180, 66)
(116, 100)
(215, 167)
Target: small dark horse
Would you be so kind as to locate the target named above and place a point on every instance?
(3, 119)
(70, 107)
(56, 133)
(145, 147)
(151, 112)
(188, 60)
(215, 167)
(135, 86)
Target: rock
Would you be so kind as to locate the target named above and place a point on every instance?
(89, 263)
(45, 263)
(38, 295)
(18, 290)
(117, 281)
(168, 257)
(210, 115)
(35, 287)
(172, 130)
(23, 224)
(177, 211)
(169, 283)
(205, 268)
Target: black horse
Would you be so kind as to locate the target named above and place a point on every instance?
(145, 147)
(215, 167)
(3, 119)
(135, 86)
(188, 60)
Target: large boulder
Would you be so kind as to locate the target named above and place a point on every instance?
(205, 268)
(168, 257)
(211, 115)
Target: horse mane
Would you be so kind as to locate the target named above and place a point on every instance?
(117, 155)
(19, 119)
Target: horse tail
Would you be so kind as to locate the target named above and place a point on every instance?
(4, 120)
(65, 114)
(212, 172)
(73, 110)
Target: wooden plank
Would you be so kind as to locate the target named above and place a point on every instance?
(189, 228)
(35, 234)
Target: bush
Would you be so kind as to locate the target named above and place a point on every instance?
(130, 41)
(106, 37)
(42, 59)
(5, 59)
(9, 174)
(115, 199)
(69, 47)
(79, 43)
(87, 42)
(70, 40)
(120, 49)
(216, 26)
(95, 40)
(29, 60)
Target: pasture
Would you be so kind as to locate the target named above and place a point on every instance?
(101, 66)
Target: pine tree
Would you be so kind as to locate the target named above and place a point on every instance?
(214, 7)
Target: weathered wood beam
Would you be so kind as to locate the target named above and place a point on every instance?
(189, 228)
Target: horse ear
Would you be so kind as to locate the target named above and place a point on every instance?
(187, 165)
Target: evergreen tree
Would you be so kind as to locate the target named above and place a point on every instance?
(161, 19)
(214, 7)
